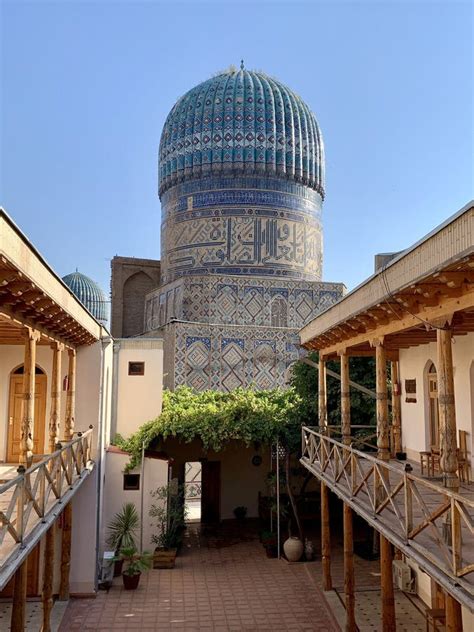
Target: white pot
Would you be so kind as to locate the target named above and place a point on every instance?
(293, 548)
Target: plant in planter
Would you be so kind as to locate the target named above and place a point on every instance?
(169, 514)
(122, 532)
(240, 513)
(135, 564)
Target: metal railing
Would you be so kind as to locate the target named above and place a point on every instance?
(430, 523)
(31, 501)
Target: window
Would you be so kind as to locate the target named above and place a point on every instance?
(434, 413)
(131, 482)
(136, 368)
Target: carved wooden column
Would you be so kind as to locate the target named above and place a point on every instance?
(396, 408)
(383, 434)
(347, 512)
(29, 378)
(345, 399)
(447, 410)
(70, 396)
(55, 415)
(325, 529)
(322, 393)
(65, 552)
(448, 449)
(388, 599)
(48, 573)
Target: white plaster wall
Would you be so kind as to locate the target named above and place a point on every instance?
(415, 418)
(155, 475)
(139, 397)
(83, 545)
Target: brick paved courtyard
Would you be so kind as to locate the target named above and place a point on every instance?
(213, 588)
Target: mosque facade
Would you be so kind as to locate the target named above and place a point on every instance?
(241, 184)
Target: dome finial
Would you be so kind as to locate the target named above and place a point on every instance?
(241, 64)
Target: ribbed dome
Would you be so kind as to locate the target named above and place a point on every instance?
(241, 122)
(89, 293)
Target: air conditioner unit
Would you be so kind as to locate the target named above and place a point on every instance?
(403, 576)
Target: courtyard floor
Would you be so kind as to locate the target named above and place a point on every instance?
(217, 585)
(224, 582)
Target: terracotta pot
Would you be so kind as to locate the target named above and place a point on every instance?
(293, 548)
(164, 558)
(130, 582)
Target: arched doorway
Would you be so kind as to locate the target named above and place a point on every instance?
(433, 407)
(15, 413)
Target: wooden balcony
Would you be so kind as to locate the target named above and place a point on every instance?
(429, 523)
(32, 500)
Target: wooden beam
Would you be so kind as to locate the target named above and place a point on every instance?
(65, 552)
(445, 307)
(325, 538)
(453, 614)
(388, 599)
(349, 569)
(48, 573)
(18, 617)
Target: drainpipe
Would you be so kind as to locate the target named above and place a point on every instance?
(104, 343)
(142, 491)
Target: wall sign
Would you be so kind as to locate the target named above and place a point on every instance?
(410, 390)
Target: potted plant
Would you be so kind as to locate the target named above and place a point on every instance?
(122, 532)
(135, 563)
(240, 513)
(168, 512)
(270, 542)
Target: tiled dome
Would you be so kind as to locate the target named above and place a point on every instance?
(89, 293)
(241, 121)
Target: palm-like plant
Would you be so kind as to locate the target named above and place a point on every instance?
(122, 528)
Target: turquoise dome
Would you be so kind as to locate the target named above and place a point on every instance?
(241, 121)
(89, 293)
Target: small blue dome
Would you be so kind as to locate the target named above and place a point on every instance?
(89, 293)
(241, 121)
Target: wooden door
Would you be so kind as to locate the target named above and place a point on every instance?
(211, 492)
(434, 412)
(15, 414)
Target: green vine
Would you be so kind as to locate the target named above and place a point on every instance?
(215, 417)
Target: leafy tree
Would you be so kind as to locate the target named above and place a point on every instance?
(305, 382)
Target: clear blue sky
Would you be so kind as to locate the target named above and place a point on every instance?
(86, 88)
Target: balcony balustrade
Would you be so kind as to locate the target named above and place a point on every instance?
(431, 524)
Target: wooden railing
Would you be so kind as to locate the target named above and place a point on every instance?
(31, 501)
(428, 522)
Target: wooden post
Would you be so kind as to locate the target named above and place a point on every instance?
(322, 393)
(55, 416)
(396, 408)
(325, 538)
(345, 399)
(71, 396)
(453, 614)
(47, 595)
(29, 378)
(349, 570)
(388, 599)
(383, 435)
(65, 553)
(447, 411)
(18, 617)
